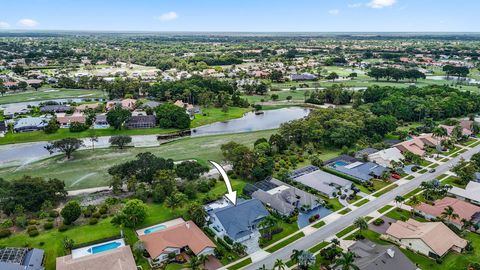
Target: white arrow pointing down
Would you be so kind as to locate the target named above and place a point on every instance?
(231, 195)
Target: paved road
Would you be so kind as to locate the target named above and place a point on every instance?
(331, 229)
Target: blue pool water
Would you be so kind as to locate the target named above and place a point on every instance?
(340, 163)
(154, 229)
(104, 247)
(303, 217)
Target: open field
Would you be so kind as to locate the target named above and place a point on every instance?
(89, 168)
(50, 93)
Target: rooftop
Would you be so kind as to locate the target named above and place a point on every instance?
(370, 256)
(116, 259)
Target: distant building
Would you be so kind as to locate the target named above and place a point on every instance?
(66, 120)
(463, 209)
(113, 259)
(101, 121)
(303, 77)
(3, 128)
(385, 157)
(417, 145)
(21, 259)
(471, 193)
(15, 110)
(30, 124)
(324, 182)
(55, 108)
(142, 121)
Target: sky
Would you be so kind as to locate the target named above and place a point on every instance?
(242, 15)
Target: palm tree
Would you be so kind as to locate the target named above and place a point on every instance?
(449, 213)
(466, 224)
(268, 223)
(203, 259)
(279, 265)
(346, 262)
(305, 260)
(399, 200)
(414, 201)
(194, 263)
(361, 224)
(175, 200)
(93, 138)
(295, 255)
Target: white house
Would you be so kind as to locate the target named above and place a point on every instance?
(386, 156)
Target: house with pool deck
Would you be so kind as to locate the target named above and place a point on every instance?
(239, 222)
(163, 241)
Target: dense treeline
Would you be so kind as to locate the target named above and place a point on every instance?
(395, 74)
(339, 127)
(414, 104)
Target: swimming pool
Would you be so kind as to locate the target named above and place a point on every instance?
(340, 163)
(104, 247)
(154, 229)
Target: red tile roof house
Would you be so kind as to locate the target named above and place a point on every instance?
(66, 120)
(449, 129)
(417, 145)
(464, 209)
(176, 239)
(128, 103)
(432, 239)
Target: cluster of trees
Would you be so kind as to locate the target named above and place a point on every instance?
(339, 127)
(415, 104)
(456, 71)
(257, 163)
(335, 95)
(149, 176)
(30, 193)
(205, 91)
(395, 74)
(224, 59)
(466, 170)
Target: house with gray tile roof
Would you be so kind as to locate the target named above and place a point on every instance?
(324, 182)
(240, 221)
(363, 171)
(30, 124)
(21, 259)
(283, 198)
(371, 256)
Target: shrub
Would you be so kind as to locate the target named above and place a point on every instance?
(96, 215)
(6, 224)
(209, 231)
(5, 233)
(378, 222)
(31, 228)
(62, 228)
(32, 222)
(33, 233)
(71, 212)
(48, 225)
(53, 213)
(92, 221)
(21, 221)
(228, 239)
(103, 209)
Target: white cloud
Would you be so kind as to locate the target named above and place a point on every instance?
(381, 3)
(334, 12)
(356, 5)
(4, 25)
(169, 16)
(27, 23)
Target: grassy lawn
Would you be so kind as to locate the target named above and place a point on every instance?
(286, 242)
(319, 224)
(318, 247)
(89, 168)
(174, 266)
(411, 193)
(385, 190)
(422, 171)
(440, 177)
(62, 133)
(401, 214)
(434, 165)
(344, 211)
(240, 264)
(362, 202)
(213, 115)
(385, 209)
(425, 163)
(379, 184)
(336, 205)
(410, 177)
(345, 231)
(50, 93)
(288, 229)
(452, 180)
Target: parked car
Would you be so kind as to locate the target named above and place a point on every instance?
(432, 170)
(396, 176)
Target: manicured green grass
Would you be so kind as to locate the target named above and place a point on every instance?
(174, 266)
(422, 171)
(379, 184)
(286, 242)
(475, 144)
(212, 115)
(336, 205)
(89, 168)
(385, 190)
(319, 224)
(425, 163)
(288, 229)
(452, 180)
(362, 202)
(344, 211)
(385, 209)
(62, 133)
(318, 247)
(442, 176)
(345, 231)
(50, 93)
(411, 193)
(401, 214)
(445, 159)
(434, 165)
(410, 177)
(451, 151)
(240, 264)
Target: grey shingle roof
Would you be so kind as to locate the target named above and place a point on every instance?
(364, 171)
(371, 256)
(238, 220)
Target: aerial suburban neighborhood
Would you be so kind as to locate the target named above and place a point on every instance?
(204, 135)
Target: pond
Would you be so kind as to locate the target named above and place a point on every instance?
(253, 122)
(303, 217)
(452, 78)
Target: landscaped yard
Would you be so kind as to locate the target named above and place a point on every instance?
(452, 180)
(362, 202)
(401, 214)
(213, 115)
(50, 93)
(286, 242)
(385, 190)
(385, 209)
(288, 229)
(241, 264)
(344, 211)
(319, 224)
(345, 231)
(89, 168)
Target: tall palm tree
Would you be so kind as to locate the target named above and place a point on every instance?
(295, 255)
(268, 223)
(361, 224)
(279, 265)
(399, 200)
(449, 213)
(346, 262)
(203, 259)
(194, 263)
(414, 201)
